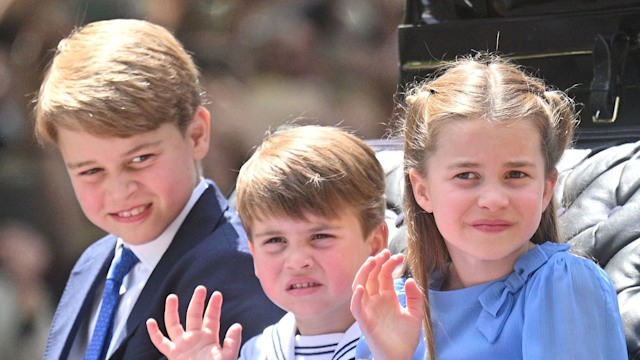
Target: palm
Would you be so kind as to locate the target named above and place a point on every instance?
(391, 330)
(196, 344)
(199, 338)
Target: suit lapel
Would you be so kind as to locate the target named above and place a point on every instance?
(82, 283)
(199, 223)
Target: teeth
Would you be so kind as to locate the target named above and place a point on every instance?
(134, 212)
(302, 285)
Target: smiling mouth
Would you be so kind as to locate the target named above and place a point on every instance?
(132, 212)
(303, 285)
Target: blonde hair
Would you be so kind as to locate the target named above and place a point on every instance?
(117, 78)
(312, 169)
(487, 88)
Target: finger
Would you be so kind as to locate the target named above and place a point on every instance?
(212, 314)
(415, 298)
(157, 338)
(196, 308)
(172, 318)
(356, 303)
(363, 273)
(385, 277)
(232, 342)
(373, 285)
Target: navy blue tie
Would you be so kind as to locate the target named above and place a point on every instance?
(101, 337)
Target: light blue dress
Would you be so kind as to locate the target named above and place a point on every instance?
(554, 305)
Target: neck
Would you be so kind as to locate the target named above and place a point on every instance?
(461, 274)
(323, 324)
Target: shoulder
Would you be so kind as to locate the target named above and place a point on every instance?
(274, 339)
(216, 220)
(567, 267)
(253, 347)
(568, 275)
(573, 292)
(97, 252)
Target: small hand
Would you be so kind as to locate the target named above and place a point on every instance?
(199, 339)
(391, 331)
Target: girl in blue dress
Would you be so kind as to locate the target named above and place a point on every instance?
(491, 277)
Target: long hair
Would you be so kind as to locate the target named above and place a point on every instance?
(487, 88)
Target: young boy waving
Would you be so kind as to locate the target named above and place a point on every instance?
(312, 201)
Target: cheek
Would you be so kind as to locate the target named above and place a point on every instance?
(266, 269)
(166, 180)
(454, 205)
(532, 204)
(89, 197)
(343, 270)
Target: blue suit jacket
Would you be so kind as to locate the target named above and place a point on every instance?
(210, 248)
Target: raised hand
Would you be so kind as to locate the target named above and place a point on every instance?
(199, 339)
(391, 331)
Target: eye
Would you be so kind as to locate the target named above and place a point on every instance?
(273, 240)
(323, 240)
(516, 174)
(141, 158)
(467, 176)
(321, 236)
(90, 172)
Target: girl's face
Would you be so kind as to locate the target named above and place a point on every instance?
(486, 187)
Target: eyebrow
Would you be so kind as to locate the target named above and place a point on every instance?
(72, 166)
(313, 229)
(520, 164)
(510, 164)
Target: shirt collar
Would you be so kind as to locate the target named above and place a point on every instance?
(151, 252)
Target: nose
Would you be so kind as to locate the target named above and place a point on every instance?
(298, 258)
(121, 185)
(493, 197)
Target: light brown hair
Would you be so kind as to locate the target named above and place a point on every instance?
(488, 88)
(312, 169)
(117, 78)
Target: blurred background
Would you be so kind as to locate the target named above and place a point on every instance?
(263, 63)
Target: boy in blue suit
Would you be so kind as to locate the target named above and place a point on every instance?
(122, 102)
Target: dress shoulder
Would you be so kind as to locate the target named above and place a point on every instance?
(572, 306)
(570, 275)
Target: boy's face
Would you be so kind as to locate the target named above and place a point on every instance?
(307, 266)
(135, 187)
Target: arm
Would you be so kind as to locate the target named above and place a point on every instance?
(199, 340)
(391, 331)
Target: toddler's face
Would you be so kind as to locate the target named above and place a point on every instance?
(134, 187)
(307, 266)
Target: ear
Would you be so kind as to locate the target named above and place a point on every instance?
(379, 238)
(549, 188)
(420, 190)
(199, 132)
(252, 250)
